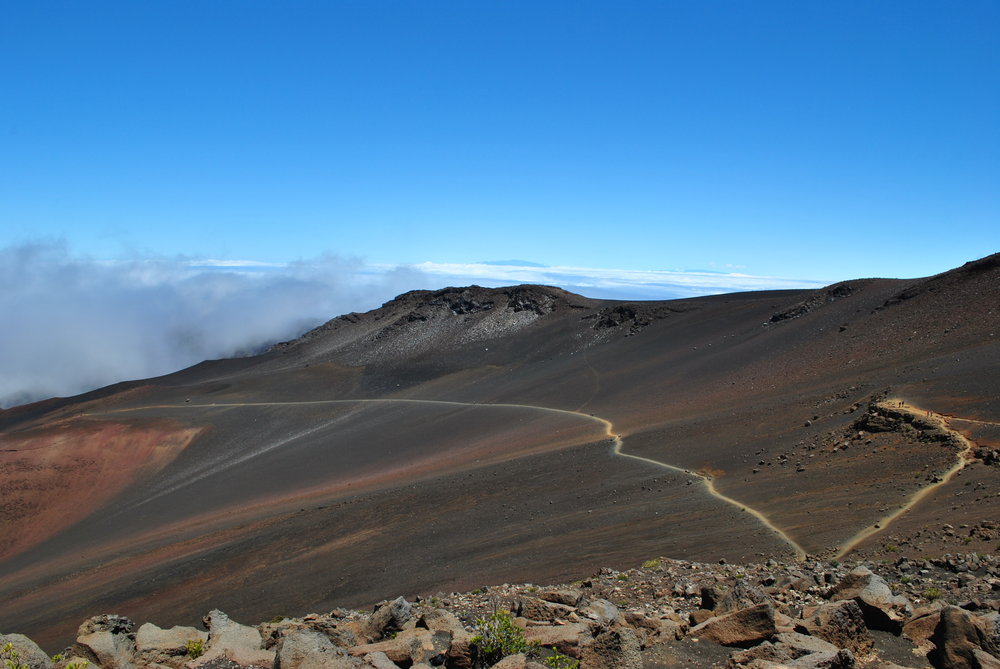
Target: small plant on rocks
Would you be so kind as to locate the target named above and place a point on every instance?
(195, 648)
(559, 661)
(497, 637)
(11, 658)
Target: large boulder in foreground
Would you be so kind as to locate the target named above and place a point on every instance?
(961, 643)
(882, 609)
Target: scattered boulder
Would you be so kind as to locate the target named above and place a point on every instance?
(240, 645)
(411, 646)
(460, 651)
(842, 624)
(388, 617)
(309, 649)
(107, 641)
(564, 638)
(882, 609)
(534, 608)
(742, 595)
(762, 616)
(743, 628)
(616, 648)
(601, 611)
(565, 596)
(170, 648)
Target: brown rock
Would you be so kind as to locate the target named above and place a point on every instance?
(380, 661)
(387, 618)
(921, 628)
(842, 624)
(652, 631)
(166, 647)
(882, 609)
(698, 616)
(742, 595)
(956, 638)
(410, 646)
(743, 628)
(617, 648)
(985, 660)
(460, 652)
(567, 638)
(107, 649)
(601, 611)
(228, 640)
(533, 608)
(309, 649)
(519, 661)
(565, 596)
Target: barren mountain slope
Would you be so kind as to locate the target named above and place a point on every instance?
(467, 436)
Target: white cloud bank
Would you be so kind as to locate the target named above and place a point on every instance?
(72, 324)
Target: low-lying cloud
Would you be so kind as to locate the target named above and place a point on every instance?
(72, 323)
(621, 284)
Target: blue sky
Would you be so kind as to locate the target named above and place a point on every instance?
(634, 149)
(805, 140)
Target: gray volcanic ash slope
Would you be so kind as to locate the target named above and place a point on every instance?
(468, 436)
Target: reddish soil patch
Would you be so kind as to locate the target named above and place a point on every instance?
(52, 477)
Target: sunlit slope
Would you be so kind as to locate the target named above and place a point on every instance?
(464, 436)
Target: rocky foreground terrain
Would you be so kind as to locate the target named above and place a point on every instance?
(942, 613)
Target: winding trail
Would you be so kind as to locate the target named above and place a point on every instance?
(961, 460)
(608, 429)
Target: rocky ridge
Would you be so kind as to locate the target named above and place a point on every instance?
(942, 613)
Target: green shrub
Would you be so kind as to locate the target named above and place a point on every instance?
(195, 648)
(559, 661)
(651, 564)
(497, 637)
(932, 593)
(892, 548)
(905, 579)
(11, 658)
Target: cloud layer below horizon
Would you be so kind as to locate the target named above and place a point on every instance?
(73, 323)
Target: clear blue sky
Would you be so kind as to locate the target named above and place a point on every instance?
(821, 140)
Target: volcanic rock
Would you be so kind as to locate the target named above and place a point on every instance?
(28, 651)
(744, 628)
(881, 608)
(961, 643)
